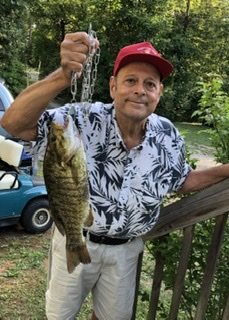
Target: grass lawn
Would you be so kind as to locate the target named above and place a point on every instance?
(196, 137)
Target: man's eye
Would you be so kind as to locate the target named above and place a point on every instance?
(130, 81)
(150, 85)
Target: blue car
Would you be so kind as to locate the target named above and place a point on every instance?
(23, 201)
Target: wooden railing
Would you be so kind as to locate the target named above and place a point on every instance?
(213, 202)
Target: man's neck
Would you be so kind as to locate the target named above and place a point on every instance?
(132, 133)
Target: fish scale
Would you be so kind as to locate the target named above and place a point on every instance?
(65, 175)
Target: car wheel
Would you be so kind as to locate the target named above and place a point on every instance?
(36, 216)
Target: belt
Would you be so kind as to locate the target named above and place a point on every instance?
(104, 239)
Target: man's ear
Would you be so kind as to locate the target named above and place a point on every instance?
(161, 89)
(112, 85)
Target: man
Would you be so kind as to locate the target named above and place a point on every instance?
(134, 159)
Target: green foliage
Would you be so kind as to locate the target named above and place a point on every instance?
(184, 31)
(14, 75)
(12, 43)
(214, 110)
(31, 32)
(169, 247)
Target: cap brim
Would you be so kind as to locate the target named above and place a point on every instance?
(164, 67)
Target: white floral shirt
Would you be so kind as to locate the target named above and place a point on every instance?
(127, 187)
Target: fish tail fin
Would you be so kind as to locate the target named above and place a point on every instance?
(72, 260)
(84, 254)
(60, 226)
(74, 257)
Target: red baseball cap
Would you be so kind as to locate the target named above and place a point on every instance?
(142, 52)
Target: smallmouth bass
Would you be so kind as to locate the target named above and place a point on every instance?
(65, 175)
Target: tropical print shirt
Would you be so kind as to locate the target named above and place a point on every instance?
(127, 187)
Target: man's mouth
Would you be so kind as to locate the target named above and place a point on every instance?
(137, 102)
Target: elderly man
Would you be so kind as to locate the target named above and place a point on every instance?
(134, 159)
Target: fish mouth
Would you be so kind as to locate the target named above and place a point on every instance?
(66, 121)
(69, 125)
(72, 136)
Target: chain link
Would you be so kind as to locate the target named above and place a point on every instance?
(74, 86)
(89, 71)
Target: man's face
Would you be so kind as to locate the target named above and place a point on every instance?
(136, 91)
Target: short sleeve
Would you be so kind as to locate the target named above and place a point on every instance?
(181, 168)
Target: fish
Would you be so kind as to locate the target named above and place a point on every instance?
(66, 179)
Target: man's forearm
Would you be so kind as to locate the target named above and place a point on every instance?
(200, 179)
(20, 120)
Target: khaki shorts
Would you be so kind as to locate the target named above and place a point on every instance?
(110, 277)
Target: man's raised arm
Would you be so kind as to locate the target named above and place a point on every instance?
(20, 120)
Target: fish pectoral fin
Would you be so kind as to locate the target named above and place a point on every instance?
(62, 164)
(89, 220)
(68, 160)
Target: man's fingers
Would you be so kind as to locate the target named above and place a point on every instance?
(74, 51)
(80, 37)
(71, 46)
(71, 66)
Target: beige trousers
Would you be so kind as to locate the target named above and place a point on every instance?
(110, 277)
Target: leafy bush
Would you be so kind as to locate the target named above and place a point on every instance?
(214, 111)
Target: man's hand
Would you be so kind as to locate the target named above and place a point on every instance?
(74, 52)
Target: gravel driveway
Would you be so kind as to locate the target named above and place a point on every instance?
(204, 161)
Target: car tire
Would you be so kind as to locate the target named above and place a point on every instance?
(36, 216)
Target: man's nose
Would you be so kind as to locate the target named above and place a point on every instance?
(140, 88)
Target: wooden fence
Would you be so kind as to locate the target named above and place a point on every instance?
(213, 202)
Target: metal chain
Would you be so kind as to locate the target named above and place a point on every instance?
(89, 72)
(74, 86)
(89, 79)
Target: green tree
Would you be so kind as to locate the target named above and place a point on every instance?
(196, 36)
(12, 43)
(193, 34)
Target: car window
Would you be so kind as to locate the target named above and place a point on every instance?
(1, 105)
